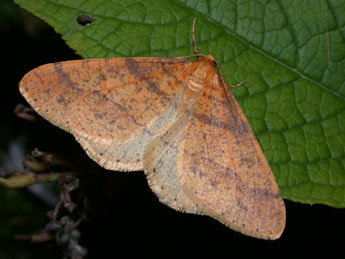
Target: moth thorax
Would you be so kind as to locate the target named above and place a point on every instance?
(195, 83)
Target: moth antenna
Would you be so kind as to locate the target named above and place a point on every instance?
(196, 50)
(237, 85)
(197, 54)
(220, 72)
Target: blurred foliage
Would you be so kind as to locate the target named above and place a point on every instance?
(20, 211)
(21, 214)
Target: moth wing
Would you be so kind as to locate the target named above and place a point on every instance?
(105, 101)
(223, 170)
(111, 106)
(160, 156)
(129, 156)
(160, 163)
(123, 157)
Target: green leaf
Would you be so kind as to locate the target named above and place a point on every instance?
(290, 53)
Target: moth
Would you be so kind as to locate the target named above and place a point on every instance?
(175, 119)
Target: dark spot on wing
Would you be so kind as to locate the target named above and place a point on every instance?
(98, 115)
(143, 74)
(134, 68)
(102, 77)
(61, 99)
(38, 75)
(240, 204)
(218, 167)
(63, 76)
(265, 193)
(233, 124)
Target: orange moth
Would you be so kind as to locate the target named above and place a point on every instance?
(175, 119)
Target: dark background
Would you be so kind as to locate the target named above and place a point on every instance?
(125, 218)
